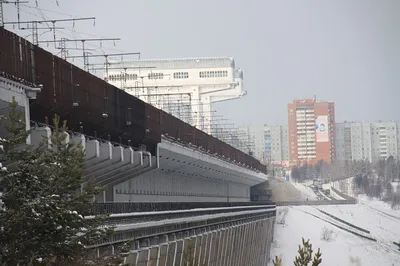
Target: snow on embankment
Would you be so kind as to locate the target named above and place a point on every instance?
(344, 248)
(305, 189)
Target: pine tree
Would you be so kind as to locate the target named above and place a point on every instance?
(306, 255)
(277, 261)
(43, 204)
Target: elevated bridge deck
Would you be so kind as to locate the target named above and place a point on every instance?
(219, 233)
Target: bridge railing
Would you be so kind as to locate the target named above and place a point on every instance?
(130, 207)
(154, 226)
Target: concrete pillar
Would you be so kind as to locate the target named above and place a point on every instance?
(210, 248)
(92, 149)
(153, 256)
(207, 243)
(143, 257)
(78, 140)
(163, 253)
(246, 249)
(38, 134)
(260, 243)
(252, 248)
(203, 248)
(171, 253)
(244, 244)
(179, 252)
(224, 246)
(236, 242)
(197, 247)
(132, 258)
(230, 246)
(217, 248)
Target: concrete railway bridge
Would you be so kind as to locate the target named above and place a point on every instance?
(187, 193)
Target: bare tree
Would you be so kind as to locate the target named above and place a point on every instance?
(282, 215)
(326, 234)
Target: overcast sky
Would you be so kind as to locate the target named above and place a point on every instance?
(345, 51)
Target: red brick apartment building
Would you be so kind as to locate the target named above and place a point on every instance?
(311, 131)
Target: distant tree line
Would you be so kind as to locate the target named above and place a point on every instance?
(373, 179)
(379, 180)
(320, 170)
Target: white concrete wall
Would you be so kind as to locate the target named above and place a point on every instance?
(10, 90)
(158, 185)
(238, 244)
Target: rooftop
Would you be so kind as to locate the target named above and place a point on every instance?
(181, 63)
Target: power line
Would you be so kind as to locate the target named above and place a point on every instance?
(53, 21)
(2, 23)
(86, 63)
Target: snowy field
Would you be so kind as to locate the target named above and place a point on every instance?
(344, 248)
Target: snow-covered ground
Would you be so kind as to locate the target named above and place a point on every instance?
(305, 189)
(344, 248)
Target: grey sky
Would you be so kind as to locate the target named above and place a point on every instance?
(343, 51)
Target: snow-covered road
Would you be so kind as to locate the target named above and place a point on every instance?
(344, 248)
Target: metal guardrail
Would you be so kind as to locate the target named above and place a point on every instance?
(130, 207)
(169, 226)
(155, 216)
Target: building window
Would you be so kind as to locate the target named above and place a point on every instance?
(156, 75)
(132, 76)
(181, 75)
(213, 74)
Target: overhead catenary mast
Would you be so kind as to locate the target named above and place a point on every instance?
(63, 46)
(101, 55)
(53, 28)
(2, 2)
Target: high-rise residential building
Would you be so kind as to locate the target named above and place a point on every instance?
(311, 129)
(256, 133)
(343, 142)
(270, 143)
(369, 141)
(276, 144)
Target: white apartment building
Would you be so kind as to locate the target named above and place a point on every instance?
(370, 141)
(271, 143)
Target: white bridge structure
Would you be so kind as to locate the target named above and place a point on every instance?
(184, 87)
(176, 172)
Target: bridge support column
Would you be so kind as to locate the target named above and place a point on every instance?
(171, 253)
(162, 260)
(143, 257)
(235, 244)
(180, 245)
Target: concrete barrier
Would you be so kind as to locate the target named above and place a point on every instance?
(342, 194)
(316, 202)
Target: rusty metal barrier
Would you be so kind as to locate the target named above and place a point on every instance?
(96, 108)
